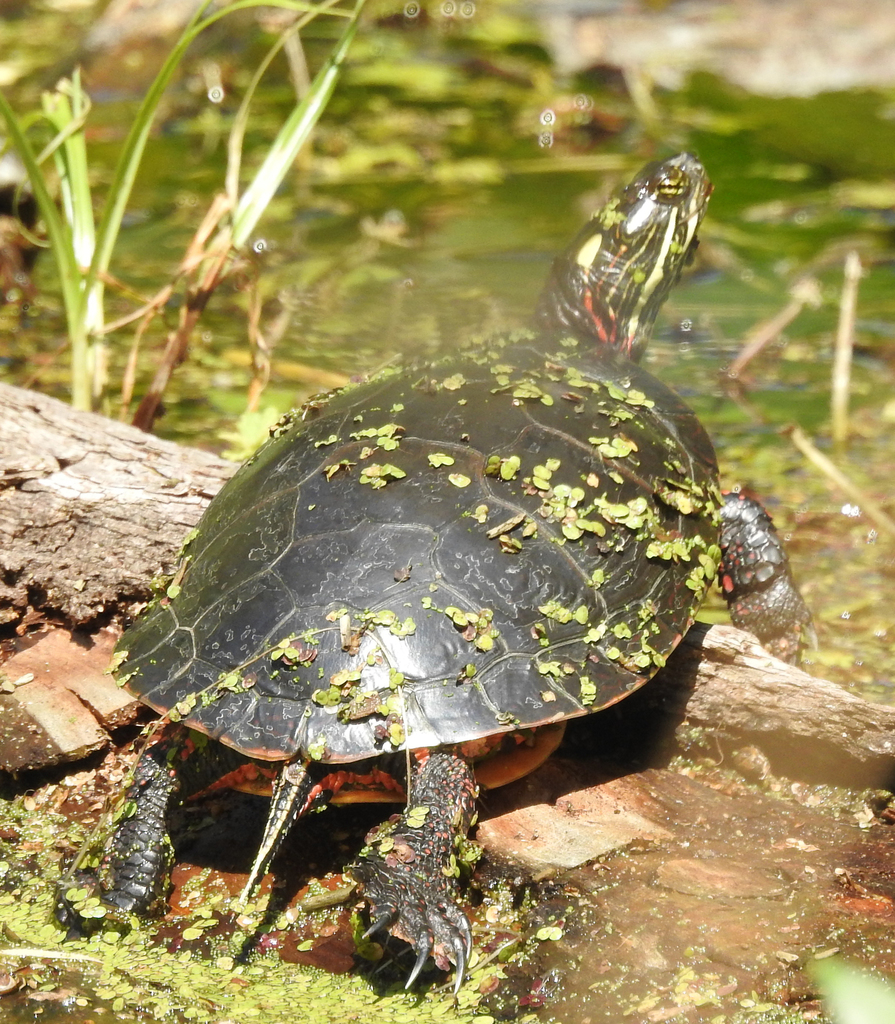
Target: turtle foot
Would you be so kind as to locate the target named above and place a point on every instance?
(65, 909)
(757, 581)
(82, 907)
(408, 868)
(420, 911)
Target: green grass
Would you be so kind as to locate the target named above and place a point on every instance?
(82, 241)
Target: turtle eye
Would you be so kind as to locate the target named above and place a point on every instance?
(672, 183)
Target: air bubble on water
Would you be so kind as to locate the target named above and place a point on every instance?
(871, 536)
(545, 140)
(411, 10)
(216, 93)
(845, 615)
(467, 10)
(548, 116)
(448, 9)
(259, 245)
(583, 101)
(686, 326)
(850, 510)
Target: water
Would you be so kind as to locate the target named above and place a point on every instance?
(436, 197)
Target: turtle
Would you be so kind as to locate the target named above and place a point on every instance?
(420, 577)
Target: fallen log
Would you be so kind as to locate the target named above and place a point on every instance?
(91, 510)
(721, 678)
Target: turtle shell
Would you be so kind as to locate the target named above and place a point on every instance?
(505, 539)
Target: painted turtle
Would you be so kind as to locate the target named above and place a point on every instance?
(440, 562)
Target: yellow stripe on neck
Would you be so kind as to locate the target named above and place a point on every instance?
(588, 252)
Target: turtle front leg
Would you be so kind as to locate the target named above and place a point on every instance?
(757, 582)
(408, 869)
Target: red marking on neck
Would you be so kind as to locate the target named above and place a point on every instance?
(597, 320)
(607, 333)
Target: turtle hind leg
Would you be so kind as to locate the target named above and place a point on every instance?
(757, 582)
(133, 875)
(408, 868)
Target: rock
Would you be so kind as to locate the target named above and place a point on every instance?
(577, 827)
(58, 702)
(719, 876)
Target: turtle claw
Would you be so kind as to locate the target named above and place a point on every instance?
(461, 952)
(458, 939)
(466, 934)
(424, 947)
(460, 926)
(380, 922)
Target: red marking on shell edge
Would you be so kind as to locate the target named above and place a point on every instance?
(726, 583)
(248, 778)
(375, 782)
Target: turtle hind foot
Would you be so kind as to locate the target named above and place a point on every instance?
(423, 913)
(82, 908)
(409, 866)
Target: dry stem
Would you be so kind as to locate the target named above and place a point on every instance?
(874, 512)
(845, 340)
(805, 292)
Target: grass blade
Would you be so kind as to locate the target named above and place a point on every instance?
(59, 234)
(291, 137)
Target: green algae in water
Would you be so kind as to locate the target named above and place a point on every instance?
(128, 973)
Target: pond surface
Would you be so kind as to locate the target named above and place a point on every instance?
(452, 164)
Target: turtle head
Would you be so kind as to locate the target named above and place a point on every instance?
(607, 287)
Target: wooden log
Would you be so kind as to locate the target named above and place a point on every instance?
(91, 510)
(720, 677)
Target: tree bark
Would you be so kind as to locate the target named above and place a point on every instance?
(91, 510)
(721, 678)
